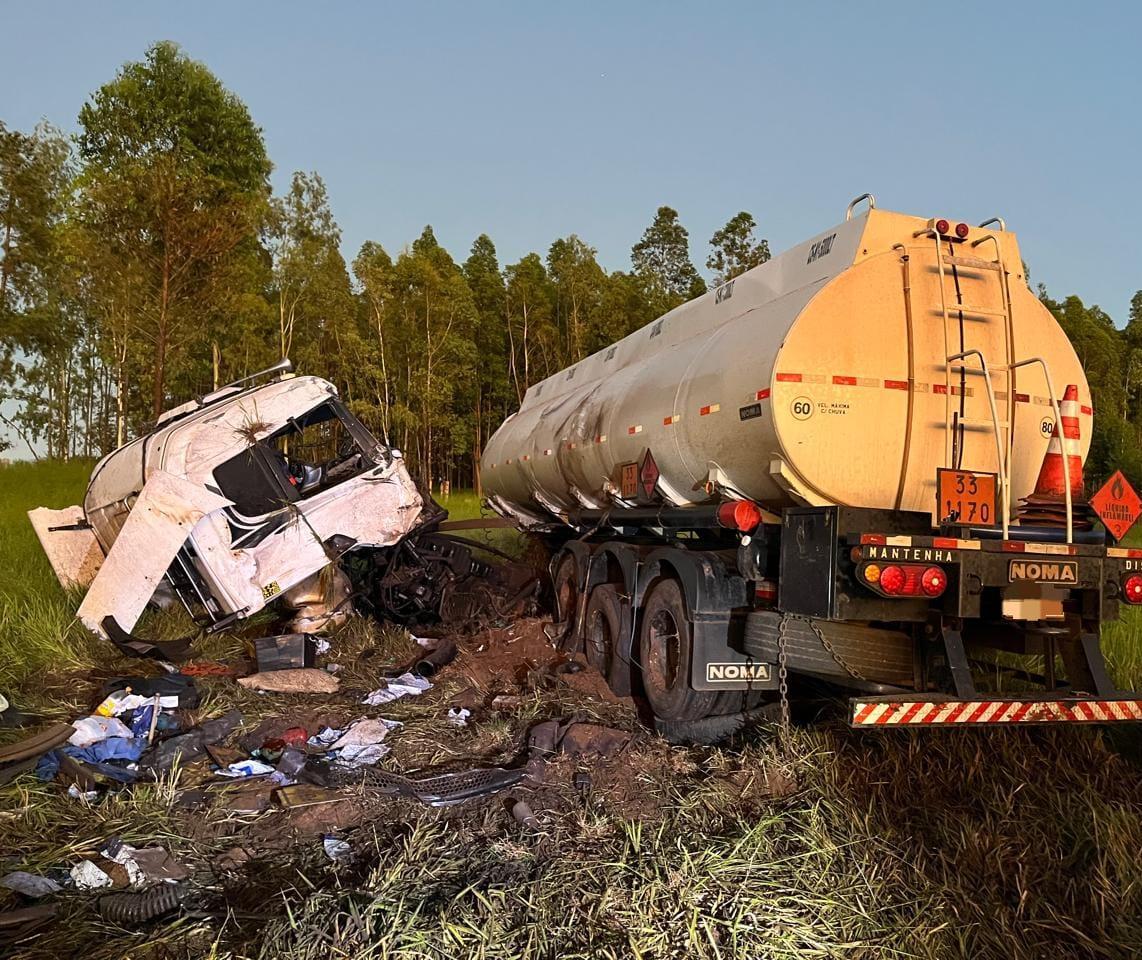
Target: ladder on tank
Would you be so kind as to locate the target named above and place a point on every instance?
(976, 273)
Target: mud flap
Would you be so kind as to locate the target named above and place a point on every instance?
(716, 665)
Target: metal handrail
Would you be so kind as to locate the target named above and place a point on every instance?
(1003, 485)
(999, 220)
(947, 372)
(1008, 336)
(1062, 437)
(864, 196)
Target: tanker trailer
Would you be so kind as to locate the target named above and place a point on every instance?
(858, 463)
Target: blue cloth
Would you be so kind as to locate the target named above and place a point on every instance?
(141, 721)
(48, 766)
(113, 748)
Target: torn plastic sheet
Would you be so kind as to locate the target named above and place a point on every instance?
(407, 684)
(91, 730)
(358, 745)
(246, 768)
(336, 849)
(145, 865)
(29, 884)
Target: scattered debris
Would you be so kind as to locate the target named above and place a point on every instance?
(177, 690)
(521, 810)
(302, 680)
(287, 651)
(135, 909)
(459, 717)
(189, 746)
(91, 730)
(29, 884)
(360, 745)
(246, 768)
(577, 739)
(37, 744)
(439, 654)
(87, 876)
(16, 925)
(145, 865)
(449, 788)
(335, 849)
(407, 684)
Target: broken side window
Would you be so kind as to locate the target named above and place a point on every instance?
(256, 480)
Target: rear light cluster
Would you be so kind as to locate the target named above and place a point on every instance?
(1132, 588)
(945, 228)
(908, 579)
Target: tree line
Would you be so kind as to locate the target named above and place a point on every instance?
(146, 260)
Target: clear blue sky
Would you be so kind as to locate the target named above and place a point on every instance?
(532, 121)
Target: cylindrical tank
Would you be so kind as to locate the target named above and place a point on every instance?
(820, 377)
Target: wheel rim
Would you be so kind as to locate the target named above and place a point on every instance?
(665, 651)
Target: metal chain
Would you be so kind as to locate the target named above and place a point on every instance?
(832, 652)
(783, 676)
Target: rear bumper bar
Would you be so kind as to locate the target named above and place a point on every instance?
(937, 711)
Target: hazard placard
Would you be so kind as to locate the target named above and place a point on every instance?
(647, 476)
(1117, 505)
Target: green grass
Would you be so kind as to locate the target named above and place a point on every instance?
(936, 844)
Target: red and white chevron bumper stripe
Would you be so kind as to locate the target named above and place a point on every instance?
(938, 713)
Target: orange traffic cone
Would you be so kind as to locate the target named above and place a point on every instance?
(1047, 504)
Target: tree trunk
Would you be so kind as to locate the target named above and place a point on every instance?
(158, 392)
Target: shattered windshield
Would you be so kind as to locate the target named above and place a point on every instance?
(313, 452)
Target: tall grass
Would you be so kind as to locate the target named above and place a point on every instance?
(1012, 844)
(39, 638)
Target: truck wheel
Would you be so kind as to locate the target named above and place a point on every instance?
(665, 652)
(710, 731)
(601, 629)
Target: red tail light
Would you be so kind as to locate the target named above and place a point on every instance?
(933, 581)
(942, 226)
(1132, 588)
(915, 580)
(961, 230)
(892, 580)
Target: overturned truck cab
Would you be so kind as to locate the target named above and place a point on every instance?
(236, 499)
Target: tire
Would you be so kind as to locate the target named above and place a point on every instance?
(710, 731)
(665, 654)
(601, 627)
(565, 586)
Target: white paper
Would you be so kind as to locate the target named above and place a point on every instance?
(407, 684)
(459, 718)
(87, 876)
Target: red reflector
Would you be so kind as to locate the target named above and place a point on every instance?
(743, 515)
(961, 230)
(942, 226)
(933, 581)
(1132, 588)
